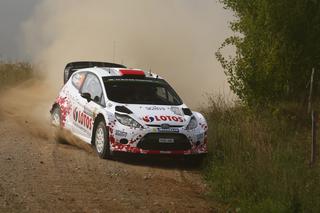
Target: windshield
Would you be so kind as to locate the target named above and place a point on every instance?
(140, 91)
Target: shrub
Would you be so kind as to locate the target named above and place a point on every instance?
(258, 160)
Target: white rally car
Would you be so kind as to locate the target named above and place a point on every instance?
(126, 110)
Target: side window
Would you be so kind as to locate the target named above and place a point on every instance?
(103, 102)
(93, 87)
(77, 80)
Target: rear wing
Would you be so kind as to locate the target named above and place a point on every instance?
(74, 66)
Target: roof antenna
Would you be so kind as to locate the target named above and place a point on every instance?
(150, 74)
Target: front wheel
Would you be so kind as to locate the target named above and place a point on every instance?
(101, 140)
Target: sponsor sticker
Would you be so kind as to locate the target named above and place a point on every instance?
(121, 134)
(88, 112)
(156, 108)
(82, 118)
(150, 119)
(171, 130)
(200, 137)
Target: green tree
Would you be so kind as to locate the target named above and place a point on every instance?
(277, 45)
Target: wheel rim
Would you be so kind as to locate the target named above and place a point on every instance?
(99, 139)
(56, 118)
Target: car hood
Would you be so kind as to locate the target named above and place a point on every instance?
(153, 115)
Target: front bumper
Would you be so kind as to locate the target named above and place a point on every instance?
(177, 141)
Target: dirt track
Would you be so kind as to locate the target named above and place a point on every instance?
(39, 174)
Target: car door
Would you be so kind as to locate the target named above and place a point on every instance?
(89, 104)
(73, 94)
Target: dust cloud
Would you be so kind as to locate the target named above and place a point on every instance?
(174, 38)
(28, 104)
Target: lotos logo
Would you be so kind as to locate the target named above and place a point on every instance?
(82, 118)
(150, 119)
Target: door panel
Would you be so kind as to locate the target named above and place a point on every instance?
(85, 113)
(77, 101)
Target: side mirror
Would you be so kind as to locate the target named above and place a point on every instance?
(86, 96)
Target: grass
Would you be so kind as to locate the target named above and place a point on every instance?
(259, 160)
(12, 73)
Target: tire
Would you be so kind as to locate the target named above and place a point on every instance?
(101, 140)
(56, 117)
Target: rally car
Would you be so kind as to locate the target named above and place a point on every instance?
(117, 109)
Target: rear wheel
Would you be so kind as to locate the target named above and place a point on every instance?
(56, 117)
(101, 140)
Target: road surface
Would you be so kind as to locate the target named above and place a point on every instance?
(39, 173)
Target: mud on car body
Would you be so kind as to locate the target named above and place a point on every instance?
(127, 110)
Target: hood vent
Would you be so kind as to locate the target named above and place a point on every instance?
(123, 109)
(187, 111)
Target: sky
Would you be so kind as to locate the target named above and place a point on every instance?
(174, 38)
(12, 14)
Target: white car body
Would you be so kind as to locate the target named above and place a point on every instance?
(161, 129)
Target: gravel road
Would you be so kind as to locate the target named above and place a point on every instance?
(39, 173)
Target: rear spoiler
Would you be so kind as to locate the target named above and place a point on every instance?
(74, 66)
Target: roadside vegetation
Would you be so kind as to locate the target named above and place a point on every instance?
(260, 146)
(12, 73)
(259, 159)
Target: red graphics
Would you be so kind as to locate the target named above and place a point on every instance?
(82, 118)
(65, 107)
(150, 119)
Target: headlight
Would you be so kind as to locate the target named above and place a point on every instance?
(128, 121)
(193, 123)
